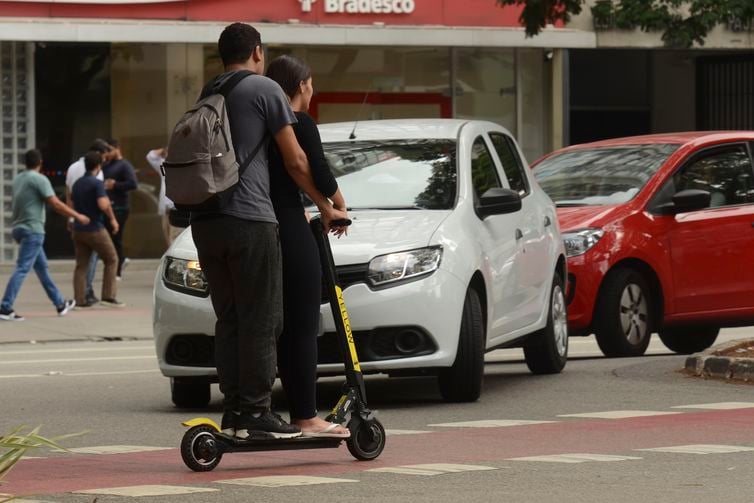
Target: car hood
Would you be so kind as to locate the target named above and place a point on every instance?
(373, 233)
(377, 232)
(582, 217)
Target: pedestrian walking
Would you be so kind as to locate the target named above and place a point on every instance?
(238, 245)
(120, 179)
(155, 158)
(72, 175)
(89, 197)
(31, 191)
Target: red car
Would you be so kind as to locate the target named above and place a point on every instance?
(659, 232)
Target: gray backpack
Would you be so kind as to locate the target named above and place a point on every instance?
(201, 170)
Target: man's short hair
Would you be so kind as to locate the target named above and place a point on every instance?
(33, 159)
(113, 142)
(101, 146)
(92, 160)
(237, 43)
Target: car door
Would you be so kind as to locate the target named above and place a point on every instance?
(534, 275)
(712, 252)
(496, 236)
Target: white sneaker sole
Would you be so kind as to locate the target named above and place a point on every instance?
(264, 435)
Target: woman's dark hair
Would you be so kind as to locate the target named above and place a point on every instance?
(289, 72)
(237, 42)
(33, 158)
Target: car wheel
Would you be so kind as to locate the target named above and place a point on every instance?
(190, 392)
(463, 381)
(689, 340)
(546, 351)
(623, 314)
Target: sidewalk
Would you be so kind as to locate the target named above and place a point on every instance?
(42, 323)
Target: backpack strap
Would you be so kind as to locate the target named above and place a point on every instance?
(225, 90)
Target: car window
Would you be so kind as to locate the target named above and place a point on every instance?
(484, 175)
(725, 173)
(512, 165)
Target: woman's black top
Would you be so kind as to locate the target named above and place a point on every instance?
(283, 190)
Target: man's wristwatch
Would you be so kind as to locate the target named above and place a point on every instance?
(71, 220)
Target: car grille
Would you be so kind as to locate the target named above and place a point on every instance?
(347, 275)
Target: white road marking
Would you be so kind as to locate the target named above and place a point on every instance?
(431, 469)
(621, 414)
(116, 449)
(718, 406)
(284, 481)
(78, 374)
(77, 360)
(576, 458)
(405, 432)
(490, 423)
(108, 349)
(701, 449)
(149, 490)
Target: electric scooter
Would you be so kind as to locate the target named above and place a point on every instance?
(204, 444)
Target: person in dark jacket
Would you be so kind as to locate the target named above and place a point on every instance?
(302, 272)
(120, 179)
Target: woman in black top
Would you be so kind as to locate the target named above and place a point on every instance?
(302, 273)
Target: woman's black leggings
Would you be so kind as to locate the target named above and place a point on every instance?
(302, 294)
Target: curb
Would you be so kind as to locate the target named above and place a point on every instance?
(711, 364)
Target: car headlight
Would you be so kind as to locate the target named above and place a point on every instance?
(579, 242)
(403, 266)
(185, 276)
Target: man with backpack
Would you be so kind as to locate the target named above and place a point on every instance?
(237, 238)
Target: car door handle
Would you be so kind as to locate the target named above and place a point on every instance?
(519, 234)
(548, 222)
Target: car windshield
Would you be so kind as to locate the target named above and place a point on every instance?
(395, 174)
(600, 176)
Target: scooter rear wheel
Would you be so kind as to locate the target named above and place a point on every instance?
(199, 449)
(367, 439)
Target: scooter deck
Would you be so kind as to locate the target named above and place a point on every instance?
(227, 443)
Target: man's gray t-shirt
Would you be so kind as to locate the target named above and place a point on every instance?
(258, 109)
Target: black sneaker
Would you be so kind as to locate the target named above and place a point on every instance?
(10, 315)
(228, 424)
(91, 299)
(66, 306)
(264, 425)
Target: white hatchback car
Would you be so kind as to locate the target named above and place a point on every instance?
(454, 250)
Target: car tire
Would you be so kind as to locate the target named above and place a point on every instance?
(190, 392)
(688, 340)
(546, 351)
(463, 381)
(623, 320)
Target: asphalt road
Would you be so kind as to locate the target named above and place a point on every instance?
(529, 438)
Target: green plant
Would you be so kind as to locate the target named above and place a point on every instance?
(16, 444)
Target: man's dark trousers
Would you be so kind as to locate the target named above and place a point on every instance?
(241, 261)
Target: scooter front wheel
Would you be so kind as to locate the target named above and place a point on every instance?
(367, 439)
(199, 449)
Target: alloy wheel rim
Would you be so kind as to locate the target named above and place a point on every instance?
(634, 314)
(559, 321)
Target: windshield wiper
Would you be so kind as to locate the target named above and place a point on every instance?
(570, 205)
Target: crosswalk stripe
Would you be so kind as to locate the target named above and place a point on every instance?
(701, 449)
(116, 449)
(490, 423)
(284, 481)
(718, 406)
(405, 432)
(432, 469)
(621, 414)
(576, 458)
(148, 490)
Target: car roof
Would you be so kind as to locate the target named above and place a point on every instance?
(395, 129)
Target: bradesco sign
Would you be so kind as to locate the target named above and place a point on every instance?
(362, 6)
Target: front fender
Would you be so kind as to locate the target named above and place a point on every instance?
(201, 421)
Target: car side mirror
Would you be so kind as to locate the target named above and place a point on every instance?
(498, 201)
(685, 201)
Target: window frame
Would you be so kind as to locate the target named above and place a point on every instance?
(511, 144)
(748, 147)
(495, 165)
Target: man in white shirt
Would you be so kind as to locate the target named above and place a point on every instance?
(72, 175)
(155, 158)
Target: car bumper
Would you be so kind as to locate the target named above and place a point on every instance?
(431, 306)
(584, 279)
